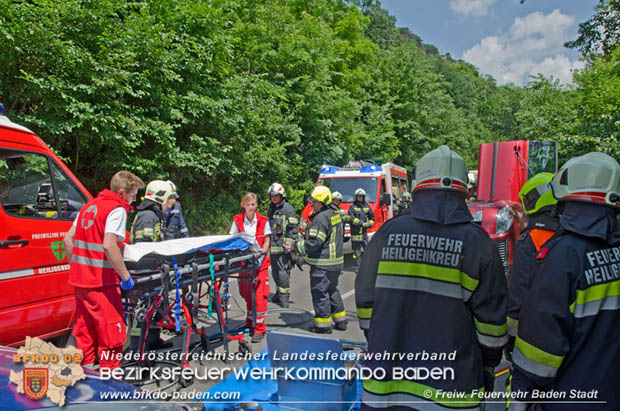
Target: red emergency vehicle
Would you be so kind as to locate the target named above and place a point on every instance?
(383, 185)
(39, 199)
(503, 168)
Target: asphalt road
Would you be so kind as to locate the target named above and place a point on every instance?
(298, 318)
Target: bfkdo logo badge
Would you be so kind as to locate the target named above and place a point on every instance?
(36, 382)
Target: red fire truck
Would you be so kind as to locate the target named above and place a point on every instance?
(383, 185)
(503, 168)
(39, 199)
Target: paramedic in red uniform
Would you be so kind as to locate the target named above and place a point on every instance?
(97, 269)
(257, 225)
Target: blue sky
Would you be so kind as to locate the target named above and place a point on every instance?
(503, 38)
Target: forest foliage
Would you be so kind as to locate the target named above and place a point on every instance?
(228, 96)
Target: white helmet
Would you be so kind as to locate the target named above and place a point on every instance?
(593, 177)
(276, 188)
(360, 192)
(158, 191)
(173, 187)
(336, 195)
(441, 168)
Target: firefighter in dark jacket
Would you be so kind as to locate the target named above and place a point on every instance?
(362, 218)
(542, 222)
(322, 250)
(404, 203)
(283, 222)
(147, 224)
(568, 339)
(174, 223)
(432, 282)
(147, 228)
(336, 201)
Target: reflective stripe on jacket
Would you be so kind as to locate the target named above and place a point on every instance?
(360, 215)
(343, 215)
(284, 222)
(89, 265)
(430, 281)
(322, 244)
(568, 336)
(146, 226)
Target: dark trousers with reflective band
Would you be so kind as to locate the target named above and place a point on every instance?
(281, 272)
(358, 249)
(326, 298)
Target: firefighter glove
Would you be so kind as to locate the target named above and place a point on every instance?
(508, 348)
(298, 260)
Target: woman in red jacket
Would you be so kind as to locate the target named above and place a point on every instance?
(253, 223)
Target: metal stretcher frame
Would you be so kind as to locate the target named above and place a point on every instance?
(155, 285)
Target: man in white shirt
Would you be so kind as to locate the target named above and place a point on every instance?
(97, 269)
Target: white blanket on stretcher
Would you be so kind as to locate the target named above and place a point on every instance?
(179, 246)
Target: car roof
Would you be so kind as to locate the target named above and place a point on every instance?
(6, 122)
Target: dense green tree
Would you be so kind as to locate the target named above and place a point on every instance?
(598, 105)
(600, 34)
(228, 96)
(381, 28)
(585, 117)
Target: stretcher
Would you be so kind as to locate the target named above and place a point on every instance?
(188, 270)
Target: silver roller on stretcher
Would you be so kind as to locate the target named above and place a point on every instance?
(184, 268)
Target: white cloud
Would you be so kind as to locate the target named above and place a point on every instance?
(474, 8)
(533, 44)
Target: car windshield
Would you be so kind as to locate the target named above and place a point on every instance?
(347, 186)
(542, 158)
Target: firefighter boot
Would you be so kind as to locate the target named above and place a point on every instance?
(283, 300)
(341, 325)
(321, 330)
(275, 298)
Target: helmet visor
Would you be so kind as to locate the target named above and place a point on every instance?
(531, 198)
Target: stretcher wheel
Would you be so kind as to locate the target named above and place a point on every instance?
(244, 348)
(186, 382)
